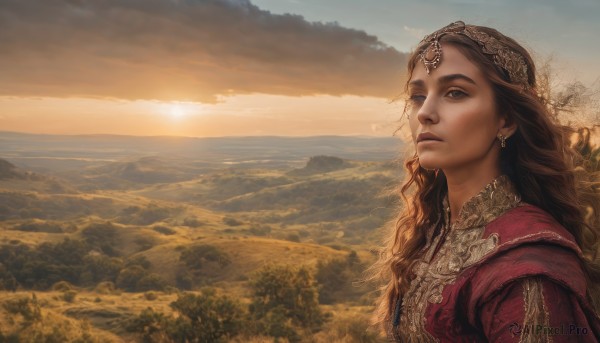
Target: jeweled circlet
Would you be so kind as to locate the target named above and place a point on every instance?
(503, 56)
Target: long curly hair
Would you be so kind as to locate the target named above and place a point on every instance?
(542, 159)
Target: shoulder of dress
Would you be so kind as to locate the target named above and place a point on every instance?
(529, 242)
(529, 224)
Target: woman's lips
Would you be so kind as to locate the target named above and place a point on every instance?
(427, 136)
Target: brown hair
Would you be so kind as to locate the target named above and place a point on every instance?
(541, 159)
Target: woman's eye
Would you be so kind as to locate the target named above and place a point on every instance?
(418, 99)
(456, 94)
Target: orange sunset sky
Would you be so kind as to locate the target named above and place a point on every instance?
(239, 68)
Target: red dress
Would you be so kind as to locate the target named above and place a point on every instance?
(505, 272)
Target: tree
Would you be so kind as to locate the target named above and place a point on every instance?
(284, 291)
(206, 317)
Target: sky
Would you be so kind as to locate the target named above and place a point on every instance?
(207, 68)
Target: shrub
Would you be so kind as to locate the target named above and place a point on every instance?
(196, 256)
(69, 296)
(290, 292)
(292, 237)
(62, 286)
(232, 221)
(150, 282)
(102, 236)
(210, 317)
(204, 317)
(164, 230)
(105, 287)
(150, 295)
(192, 222)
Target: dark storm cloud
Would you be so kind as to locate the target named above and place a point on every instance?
(184, 50)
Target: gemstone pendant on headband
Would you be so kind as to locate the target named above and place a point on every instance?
(432, 56)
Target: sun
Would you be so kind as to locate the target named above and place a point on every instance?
(177, 111)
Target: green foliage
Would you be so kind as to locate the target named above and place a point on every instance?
(8, 282)
(29, 325)
(152, 326)
(16, 205)
(135, 277)
(196, 256)
(150, 296)
(164, 230)
(62, 286)
(292, 237)
(260, 230)
(105, 287)
(101, 236)
(150, 282)
(283, 291)
(320, 200)
(129, 277)
(184, 280)
(335, 279)
(69, 296)
(212, 318)
(28, 308)
(204, 317)
(98, 268)
(231, 221)
(192, 222)
(35, 226)
(45, 265)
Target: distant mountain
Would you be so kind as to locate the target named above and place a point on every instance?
(9, 171)
(13, 178)
(146, 170)
(59, 153)
(321, 164)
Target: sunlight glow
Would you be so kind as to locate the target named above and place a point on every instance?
(180, 110)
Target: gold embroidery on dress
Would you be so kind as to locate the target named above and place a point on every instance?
(536, 312)
(463, 247)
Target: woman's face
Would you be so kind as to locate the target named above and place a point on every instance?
(452, 114)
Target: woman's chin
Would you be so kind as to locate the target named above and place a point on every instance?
(429, 165)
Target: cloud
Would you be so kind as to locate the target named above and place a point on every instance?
(188, 50)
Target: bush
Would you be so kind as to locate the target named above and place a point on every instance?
(105, 287)
(212, 318)
(62, 286)
(196, 256)
(285, 292)
(150, 296)
(101, 236)
(151, 282)
(292, 237)
(164, 230)
(129, 277)
(69, 296)
(204, 317)
(232, 221)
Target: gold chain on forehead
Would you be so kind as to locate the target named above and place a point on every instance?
(504, 57)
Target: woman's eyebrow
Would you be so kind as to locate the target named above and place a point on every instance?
(443, 80)
(452, 77)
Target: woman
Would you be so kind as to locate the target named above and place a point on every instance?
(498, 241)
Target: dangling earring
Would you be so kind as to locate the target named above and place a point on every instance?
(502, 139)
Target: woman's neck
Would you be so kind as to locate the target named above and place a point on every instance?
(460, 190)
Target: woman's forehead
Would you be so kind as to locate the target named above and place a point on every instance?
(453, 62)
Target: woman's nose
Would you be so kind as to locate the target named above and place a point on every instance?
(428, 113)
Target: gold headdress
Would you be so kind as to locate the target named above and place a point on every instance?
(503, 56)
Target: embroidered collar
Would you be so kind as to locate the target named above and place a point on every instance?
(494, 199)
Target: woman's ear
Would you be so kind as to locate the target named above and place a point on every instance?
(507, 126)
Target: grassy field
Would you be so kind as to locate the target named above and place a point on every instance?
(89, 253)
